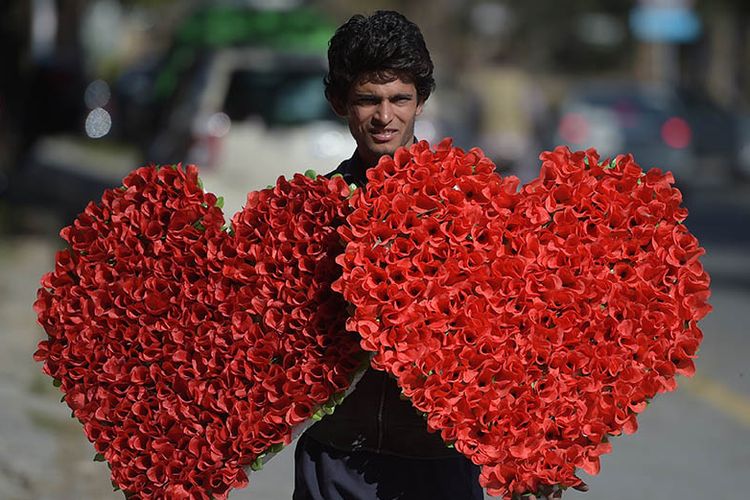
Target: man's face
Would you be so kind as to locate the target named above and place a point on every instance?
(381, 116)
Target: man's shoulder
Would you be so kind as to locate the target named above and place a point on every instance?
(352, 170)
(342, 169)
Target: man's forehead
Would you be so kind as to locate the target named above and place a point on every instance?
(382, 77)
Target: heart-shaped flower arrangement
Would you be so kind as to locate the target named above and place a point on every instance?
(527, 325)
(189, 351)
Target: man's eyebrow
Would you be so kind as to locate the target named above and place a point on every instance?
(369, 95)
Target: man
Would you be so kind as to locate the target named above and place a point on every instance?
(376, 446)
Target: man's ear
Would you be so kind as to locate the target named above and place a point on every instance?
(420, 105)
(339, 107)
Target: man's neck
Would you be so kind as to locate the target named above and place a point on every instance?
(365, 162)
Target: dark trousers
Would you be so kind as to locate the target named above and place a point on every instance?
(325, 473)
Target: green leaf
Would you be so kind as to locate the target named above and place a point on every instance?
(258, 464)
(99, 458)
(318, 415)
(56, 383)
(219, 202)
(311, 174)
(276, 447)
(338, 398)
(337, 175)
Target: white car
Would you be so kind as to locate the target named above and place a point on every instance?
(246, 116)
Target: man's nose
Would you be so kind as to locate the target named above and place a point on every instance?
(384, 112)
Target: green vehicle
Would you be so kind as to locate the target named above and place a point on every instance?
(213, 27)
(146, 91)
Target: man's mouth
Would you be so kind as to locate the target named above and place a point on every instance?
(385, 135)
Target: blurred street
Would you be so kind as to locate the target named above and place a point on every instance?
(692, 444)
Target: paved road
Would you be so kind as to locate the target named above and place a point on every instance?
(692, 445)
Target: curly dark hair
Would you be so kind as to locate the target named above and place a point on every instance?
(381, 46)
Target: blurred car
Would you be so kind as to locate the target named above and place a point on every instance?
(672, 129)
(144, 91)
(717, 137)
(247, 115)
(742, 168)
(239, 93)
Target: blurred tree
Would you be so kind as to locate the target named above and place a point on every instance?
(561, 37)
(722, 57)
(14, 43)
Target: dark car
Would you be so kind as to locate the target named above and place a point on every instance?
(673, 129)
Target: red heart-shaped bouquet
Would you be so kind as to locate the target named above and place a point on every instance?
(527, 325)
(188, 351)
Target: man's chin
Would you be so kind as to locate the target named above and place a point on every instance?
(375, 150)
(385, 148)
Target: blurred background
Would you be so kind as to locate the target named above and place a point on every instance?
(91, 89)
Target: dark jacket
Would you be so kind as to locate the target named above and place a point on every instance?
(374, 417)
